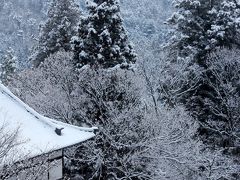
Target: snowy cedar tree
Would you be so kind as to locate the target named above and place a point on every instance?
(204, 25)
(8, 66)
(102, 39)
(56, 33)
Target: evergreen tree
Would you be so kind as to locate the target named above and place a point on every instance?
(8, 67)
(203, 26)
(102, 39)
(56, 33)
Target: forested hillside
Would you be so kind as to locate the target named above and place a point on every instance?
(160, 79)
(20, 21)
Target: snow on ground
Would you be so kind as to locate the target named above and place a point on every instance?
(35, 131)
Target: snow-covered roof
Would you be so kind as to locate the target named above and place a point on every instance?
(36, 131)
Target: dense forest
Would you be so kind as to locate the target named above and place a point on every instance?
(160, 79)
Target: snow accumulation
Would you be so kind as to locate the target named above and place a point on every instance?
(36, 133)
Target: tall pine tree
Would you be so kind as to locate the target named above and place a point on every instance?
(204, 26)
(57, 31)
(8, 66)
(102, 39)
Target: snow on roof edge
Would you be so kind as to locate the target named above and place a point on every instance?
(71, 135)
(38, 116)
(52, 124)
(47, 121)
(92, 129)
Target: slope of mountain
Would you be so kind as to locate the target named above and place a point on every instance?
(20, 20)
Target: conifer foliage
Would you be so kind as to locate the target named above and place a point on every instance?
(102, 39)
(8, 66)
(56, 33)
(205, 25)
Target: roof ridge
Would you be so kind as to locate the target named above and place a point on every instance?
(86, 129)
(36, 131)
(30, 110)
(46, 120)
